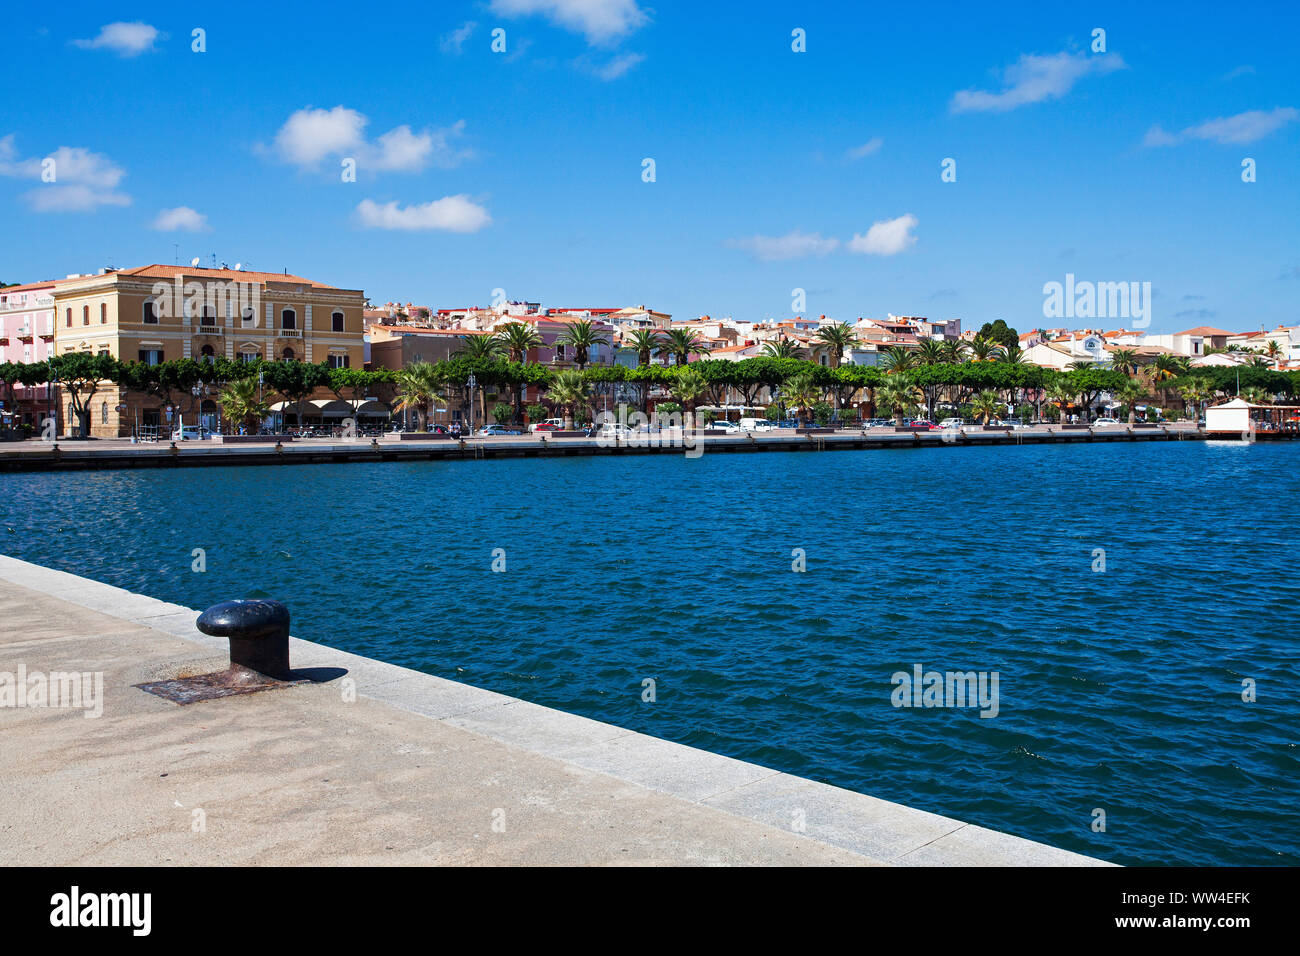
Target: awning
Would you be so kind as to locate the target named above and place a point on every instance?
(373, 409)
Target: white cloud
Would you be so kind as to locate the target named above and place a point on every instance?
(1242, 128)
(793, 245)
(600, 21)
(449, 214)
(887, 237)
(866, 149)
(309, 136)
(1035, 78)
(81, 180)
(618, 66)
(454, 41)
(124, 39)
(180, 219)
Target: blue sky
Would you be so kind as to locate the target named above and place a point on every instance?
(522, 170)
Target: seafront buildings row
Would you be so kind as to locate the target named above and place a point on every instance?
(156, 313)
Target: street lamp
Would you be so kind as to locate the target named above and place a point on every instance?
(473, 383)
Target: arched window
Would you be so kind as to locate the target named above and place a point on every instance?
(288, 319)
(103, 313)
(85, 315)
(150, 312)
(207, 354)
(287, 355)
(103, 413)
(337, 318)
(67, 313)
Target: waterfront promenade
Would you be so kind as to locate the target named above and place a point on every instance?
(411, 769)
(120, 453)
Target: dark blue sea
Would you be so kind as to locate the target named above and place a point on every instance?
(1119, 690)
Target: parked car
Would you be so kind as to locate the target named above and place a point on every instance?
(786, 423)
(489, 430)
(437, 429)
(722, 425)
(557, 424)
(951, 423)
(191, 433)
(878, 423)
(1106, 422)
(757, 425)
(921, 423)
(613, 430)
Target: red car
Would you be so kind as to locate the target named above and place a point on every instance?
(922, 424)
(546, 427)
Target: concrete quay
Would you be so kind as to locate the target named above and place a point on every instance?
(119, 453)
(369, 763)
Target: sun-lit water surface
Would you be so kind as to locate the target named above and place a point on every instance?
(1118, 690)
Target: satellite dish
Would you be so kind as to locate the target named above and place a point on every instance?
(194, 261)
(239, 267)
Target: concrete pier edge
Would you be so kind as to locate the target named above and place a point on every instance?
(878, 830)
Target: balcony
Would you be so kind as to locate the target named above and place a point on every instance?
(25, 333)
(289, 333)
(210, 330)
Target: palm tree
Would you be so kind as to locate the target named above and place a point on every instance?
(644, 342)
(897, 359)
(954, 351)
(1061, 394)
(1129, 393)
(800, 393)
(417, 388)
(240, 402)
(929, 352)
(986, 403)
(1272, 350)
(1164, 367)
(837, 339)
(1255, 395)
(1013, 354)
(985, 350)
(1124, 360)
(1196, 392)
(482, 347)
(899, 394)
(683, 343)
(570, 391)
(687, 385)
(518, 338)
(582, 336)
(782, 348)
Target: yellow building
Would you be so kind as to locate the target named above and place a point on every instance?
(159, 313)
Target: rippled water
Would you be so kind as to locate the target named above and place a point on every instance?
(1118, 690)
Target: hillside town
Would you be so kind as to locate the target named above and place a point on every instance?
(177, 320)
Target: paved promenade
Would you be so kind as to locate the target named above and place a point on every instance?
(411, 769)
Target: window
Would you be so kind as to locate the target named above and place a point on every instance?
(287, 355)
(248, 316)
(150, 312)
(151, 356)
(288, 319)
(339, 361)
(103, 313)
(247, 357)
(207, 354)
(559, 352)
(68, 317)
(85, 315)
(338, 321)
(103, 413)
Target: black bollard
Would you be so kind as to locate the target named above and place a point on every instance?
(258, 633)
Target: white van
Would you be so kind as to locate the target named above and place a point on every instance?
(756, 425)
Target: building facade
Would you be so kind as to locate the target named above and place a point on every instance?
(159, 313)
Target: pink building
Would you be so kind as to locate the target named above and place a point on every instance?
(26, 336)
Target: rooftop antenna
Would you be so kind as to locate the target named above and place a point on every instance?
(214, 260)
(176, 253)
